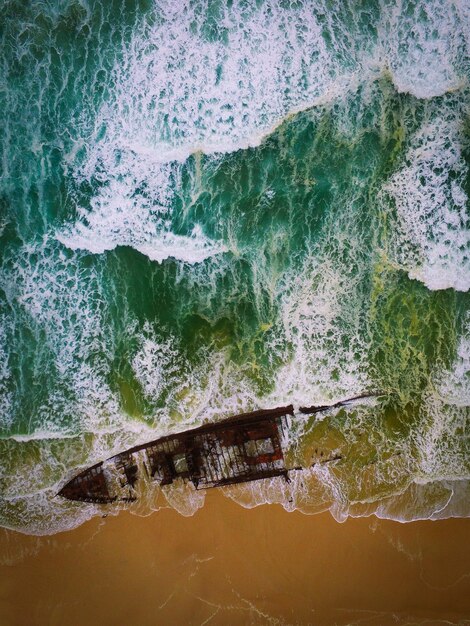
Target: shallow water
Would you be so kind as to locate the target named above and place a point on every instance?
(208, 208)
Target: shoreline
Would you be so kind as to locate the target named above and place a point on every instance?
(231, 565)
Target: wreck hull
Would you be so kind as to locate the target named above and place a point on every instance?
(240, 449)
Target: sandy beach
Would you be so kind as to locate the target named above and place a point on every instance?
(230, 565)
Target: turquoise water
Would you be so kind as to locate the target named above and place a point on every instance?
(212, 207)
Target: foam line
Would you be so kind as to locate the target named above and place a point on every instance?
(432, 235)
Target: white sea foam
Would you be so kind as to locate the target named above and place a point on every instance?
(122, 215)
(42, 514)
(208, 390)
(181, 86)
(453, 385)
(188, 81)
(425, 45)
(184, 497)
(6, 395)
(458, 504)
(191, 79)
(302, 492)
(417, 502)
(440, 482)
(40, 435)
(319, 336)
(442, 440)
(432, 240)
(203, 391)
(54, 295)
(155, 363)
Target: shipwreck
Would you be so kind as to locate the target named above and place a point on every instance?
(242, 448)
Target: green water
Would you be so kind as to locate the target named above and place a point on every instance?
(208, 208)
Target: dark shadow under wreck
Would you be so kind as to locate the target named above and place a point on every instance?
(242, 448)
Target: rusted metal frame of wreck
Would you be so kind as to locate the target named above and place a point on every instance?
(244, 418)
(237, 420)
(214, 475)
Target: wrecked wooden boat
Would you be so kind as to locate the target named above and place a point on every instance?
(243, 448)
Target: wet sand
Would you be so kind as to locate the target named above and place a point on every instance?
(228, 565)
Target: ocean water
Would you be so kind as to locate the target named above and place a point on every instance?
(210, 207)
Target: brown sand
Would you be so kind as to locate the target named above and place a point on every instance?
(228, 565)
